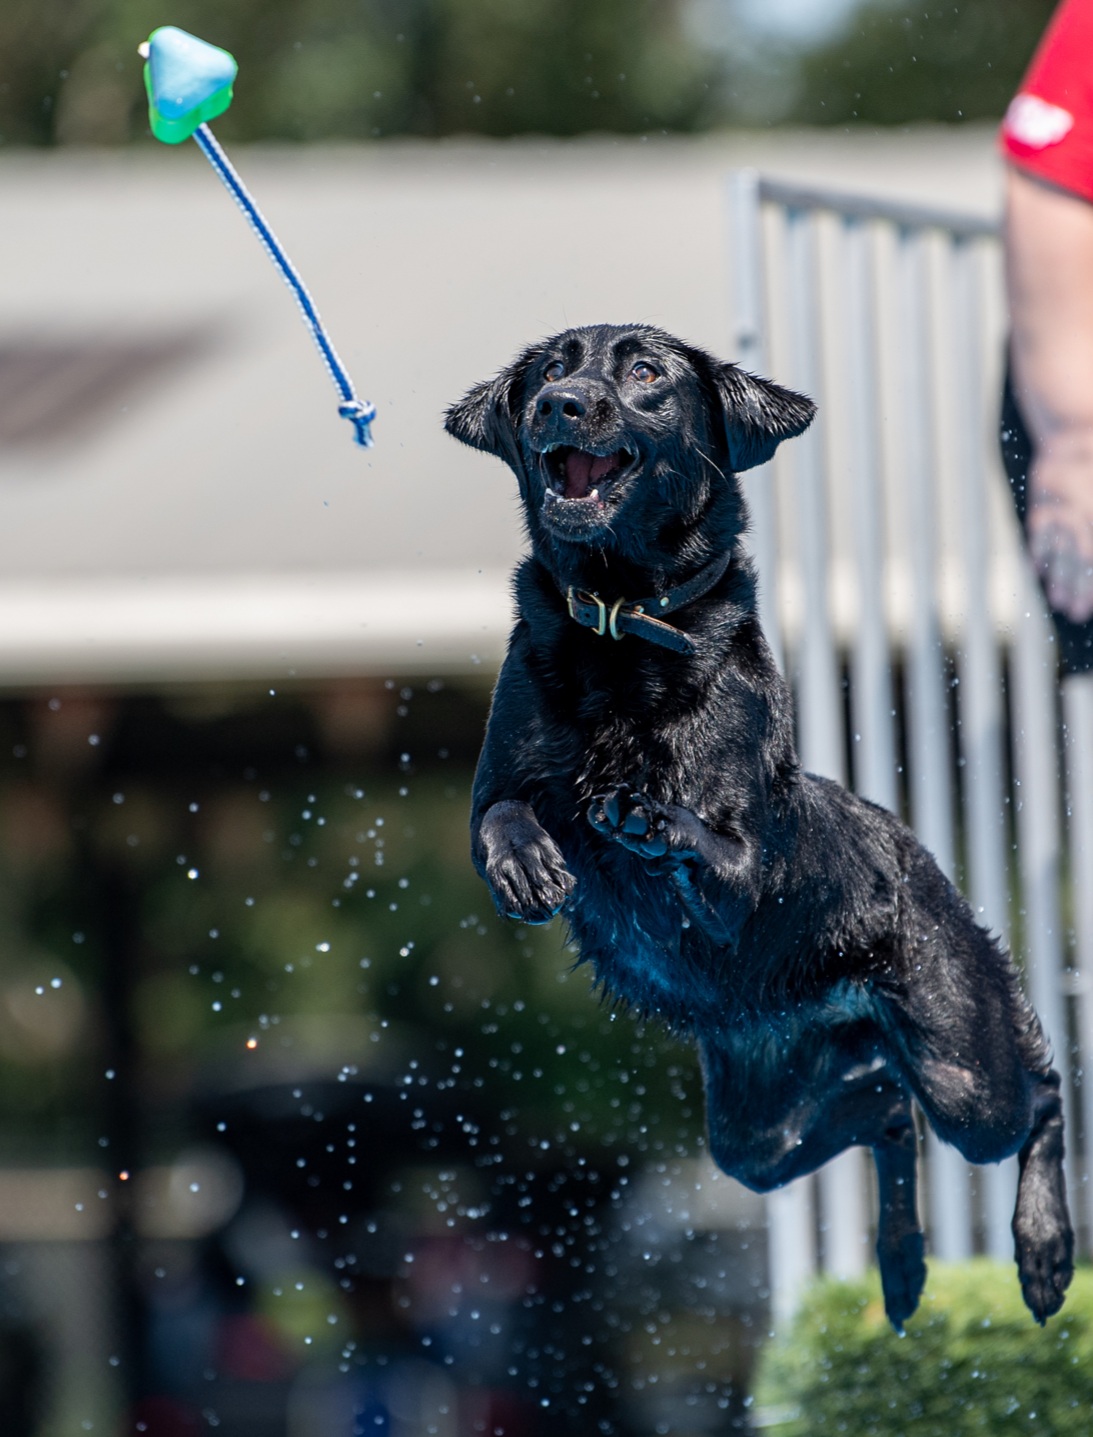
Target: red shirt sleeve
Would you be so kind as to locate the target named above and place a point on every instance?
(1048, 128)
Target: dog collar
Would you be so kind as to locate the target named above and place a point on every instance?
(643, 617)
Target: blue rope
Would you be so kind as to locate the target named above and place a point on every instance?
(359, 412)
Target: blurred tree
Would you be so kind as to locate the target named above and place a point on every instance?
(558, 67)
(38, 44)
(353, 69)
(898, 62)
(317, 69)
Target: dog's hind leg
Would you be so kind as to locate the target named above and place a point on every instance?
(899, 1236)
(979, 1067)
(1042, 1234)
(973, 1052)
(784, 1112)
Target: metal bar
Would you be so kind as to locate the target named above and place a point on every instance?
(791, 1245)
(748, 321)
(981, 725)
(873, 747)
(791, 1248)
(868, 207)
(931, 796)
(820, 719)
(1037, 763)
(1078, 713)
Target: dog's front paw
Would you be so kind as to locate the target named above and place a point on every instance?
(530, 881)
(638, 822)
(522, 864)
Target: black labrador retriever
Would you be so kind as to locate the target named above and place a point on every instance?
(649, 789)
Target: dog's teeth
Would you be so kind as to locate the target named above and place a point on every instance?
(593, 493)
(551, 495)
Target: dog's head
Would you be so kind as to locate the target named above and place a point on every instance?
(617, 433)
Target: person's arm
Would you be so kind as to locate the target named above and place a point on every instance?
(1049, 276)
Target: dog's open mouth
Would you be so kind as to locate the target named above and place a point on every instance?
(576, 474)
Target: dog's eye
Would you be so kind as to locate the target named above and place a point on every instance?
(554, 370)
(644, 373)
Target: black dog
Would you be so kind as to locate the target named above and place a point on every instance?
(650, 789)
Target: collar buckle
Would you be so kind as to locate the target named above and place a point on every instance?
(579, 602)
(591, 612)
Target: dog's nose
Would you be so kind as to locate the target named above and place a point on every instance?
(562, 402)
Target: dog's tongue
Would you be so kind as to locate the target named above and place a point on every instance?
(583, 470)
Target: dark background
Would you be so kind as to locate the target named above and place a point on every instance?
(244, 924)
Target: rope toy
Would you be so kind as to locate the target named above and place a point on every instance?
(189, 82)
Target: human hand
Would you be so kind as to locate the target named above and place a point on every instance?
(1060, 523)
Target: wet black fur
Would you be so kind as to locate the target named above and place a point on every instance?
(826, 969)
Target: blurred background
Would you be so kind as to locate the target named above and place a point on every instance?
(296, 1137)
(329, 69)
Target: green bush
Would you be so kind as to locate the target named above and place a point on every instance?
(972, 1362)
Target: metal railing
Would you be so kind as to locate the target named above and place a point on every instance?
(895, 592)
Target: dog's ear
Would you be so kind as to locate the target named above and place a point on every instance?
(483, 417)
(486, 417)
(758, 415)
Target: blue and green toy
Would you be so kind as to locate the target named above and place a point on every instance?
(189, 82)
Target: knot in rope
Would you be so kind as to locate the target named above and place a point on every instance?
(361, 414)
